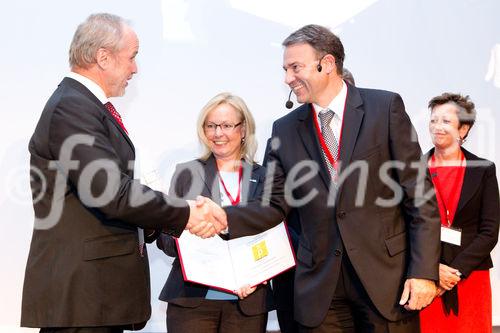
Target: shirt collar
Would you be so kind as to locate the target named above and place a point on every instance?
(90, 85)
(337, 104)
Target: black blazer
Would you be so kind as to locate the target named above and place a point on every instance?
(84, 268)
(386, 245)
(477, 215)
(203, 180)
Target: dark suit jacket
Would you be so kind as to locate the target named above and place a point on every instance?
(386, 245)
(84, 268)
(203, 180)
(477, 216)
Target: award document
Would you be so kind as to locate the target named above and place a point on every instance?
(229, 265)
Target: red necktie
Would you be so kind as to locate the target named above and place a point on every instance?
(115, 115)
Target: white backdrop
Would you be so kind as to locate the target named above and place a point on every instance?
(192, 49)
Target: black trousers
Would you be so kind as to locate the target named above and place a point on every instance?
(286, 321)
(352, 311)
(213, 317)
(283, 292)
(113, 329)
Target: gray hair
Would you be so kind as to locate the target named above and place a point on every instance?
(322, 40)
(98, 31)
(248, 146)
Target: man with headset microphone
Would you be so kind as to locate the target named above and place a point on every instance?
(363, 265)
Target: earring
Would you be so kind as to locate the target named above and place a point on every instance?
(242, 140)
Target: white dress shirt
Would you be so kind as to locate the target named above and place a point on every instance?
(90, 85)
(337, 105)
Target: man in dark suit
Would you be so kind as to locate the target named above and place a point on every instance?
(87, 269)
(346, 167)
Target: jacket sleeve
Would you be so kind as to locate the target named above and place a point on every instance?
(419, 203)
(269, 208)
(177, 189)
(488, 222)
(83, 144)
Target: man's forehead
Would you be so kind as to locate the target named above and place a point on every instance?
(297, 53)
(129, 39)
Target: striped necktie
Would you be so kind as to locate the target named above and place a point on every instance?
(325, 117)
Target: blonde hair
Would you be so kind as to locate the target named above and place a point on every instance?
(249, 143)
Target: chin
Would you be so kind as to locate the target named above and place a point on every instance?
(303, 99)
(217, 154)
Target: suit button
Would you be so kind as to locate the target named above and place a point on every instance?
(337, 252)
(341, 214)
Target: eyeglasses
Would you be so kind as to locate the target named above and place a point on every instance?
(224, 127)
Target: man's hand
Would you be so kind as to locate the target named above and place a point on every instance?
(417, 294)
(206, 218)
(448, 277)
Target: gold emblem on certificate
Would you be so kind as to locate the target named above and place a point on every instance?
(259, 250)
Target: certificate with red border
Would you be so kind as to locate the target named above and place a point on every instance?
(229, 265)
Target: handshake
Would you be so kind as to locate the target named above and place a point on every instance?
(206, 218)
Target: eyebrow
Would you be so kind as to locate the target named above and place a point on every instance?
(290, 65)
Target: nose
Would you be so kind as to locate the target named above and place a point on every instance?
(289, 77)
(438, 124)
(218, 130)
(134, 67)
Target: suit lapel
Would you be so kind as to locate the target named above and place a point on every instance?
(353, 117)
(209, 175)
(82, 89)
(113, 120)
(249, 182)
(211, 179)
(308, 135)
(352, 120)
(471, 180)
(470, 183)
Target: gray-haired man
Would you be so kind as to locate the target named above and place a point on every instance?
(87, 269)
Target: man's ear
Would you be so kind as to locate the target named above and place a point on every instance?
(328, 63)
(103, 58)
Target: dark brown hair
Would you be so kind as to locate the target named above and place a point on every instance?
(466, 111)
(322, 40)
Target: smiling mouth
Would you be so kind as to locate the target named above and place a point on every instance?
(219, 143)
(297, 87)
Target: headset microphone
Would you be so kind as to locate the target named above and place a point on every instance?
(319, 67)
(289, 103)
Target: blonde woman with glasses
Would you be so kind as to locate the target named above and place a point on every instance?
(226, 173)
